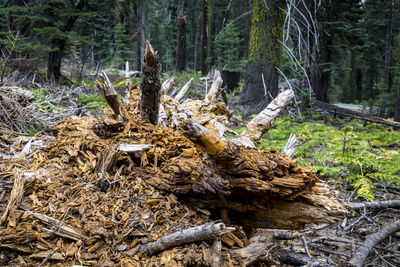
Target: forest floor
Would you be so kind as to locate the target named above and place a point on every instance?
(359, 161)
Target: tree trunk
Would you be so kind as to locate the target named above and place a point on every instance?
(261, 84)
(181, 44)
(204, 44)
(141, 39)
(150, 86)
(54, 59)
(58, 46)
(388, 72)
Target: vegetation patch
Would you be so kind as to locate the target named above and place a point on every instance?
(358, 153)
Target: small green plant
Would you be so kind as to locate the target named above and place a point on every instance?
(36, 130)
(41, 94)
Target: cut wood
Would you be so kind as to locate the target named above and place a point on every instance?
(15, 197)
(110, 95)
(184, 89)
(206, 231)
(150, 86)
(215, 88)
(375, 205)
(344, 112)
(363, 251)
(264, 120)
(167, 85)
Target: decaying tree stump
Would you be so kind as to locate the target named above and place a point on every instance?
(110, 95)
(252, 188)
(150, 86)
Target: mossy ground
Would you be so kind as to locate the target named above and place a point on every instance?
(369, 154)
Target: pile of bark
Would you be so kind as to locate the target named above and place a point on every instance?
(125, 190)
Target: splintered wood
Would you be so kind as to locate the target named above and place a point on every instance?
(126, 193)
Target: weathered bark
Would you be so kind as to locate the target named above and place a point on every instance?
(204, 40)
(263, 121)
(167, 85)
(212, 95)
(259, 189)
(362, 253)
(181, 44)
(261, 84)
(290, 146)
(150, 86)
(110, 95)
(354, 114)
(203, 232)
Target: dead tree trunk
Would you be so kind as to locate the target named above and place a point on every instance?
(181, 44)
(150, 86)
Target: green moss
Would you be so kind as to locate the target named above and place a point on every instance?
(371, 153)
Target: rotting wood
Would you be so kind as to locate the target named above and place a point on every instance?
(167, 85)
(375, 205)
(58, 227)
(15, 197)
(264, 120)
(363, 251)
(150, 86)
(215, 89)
(110, 95)
(260, 189)
(259, 247)
(184, 89)
(354, 114)
(199, 233)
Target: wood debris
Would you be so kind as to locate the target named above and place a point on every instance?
(161, 183)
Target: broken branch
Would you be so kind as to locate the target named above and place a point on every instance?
(363, 251)
(199, 233)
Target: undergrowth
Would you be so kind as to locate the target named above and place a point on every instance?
(360, 154)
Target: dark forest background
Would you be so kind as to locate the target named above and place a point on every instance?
(339, 51)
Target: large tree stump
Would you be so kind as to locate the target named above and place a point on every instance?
(150, 86)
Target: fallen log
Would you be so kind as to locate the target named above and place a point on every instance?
(263, 121)
(199, 233)
(150, 86)
(375, 205)
(354, 114)
(363, 251)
